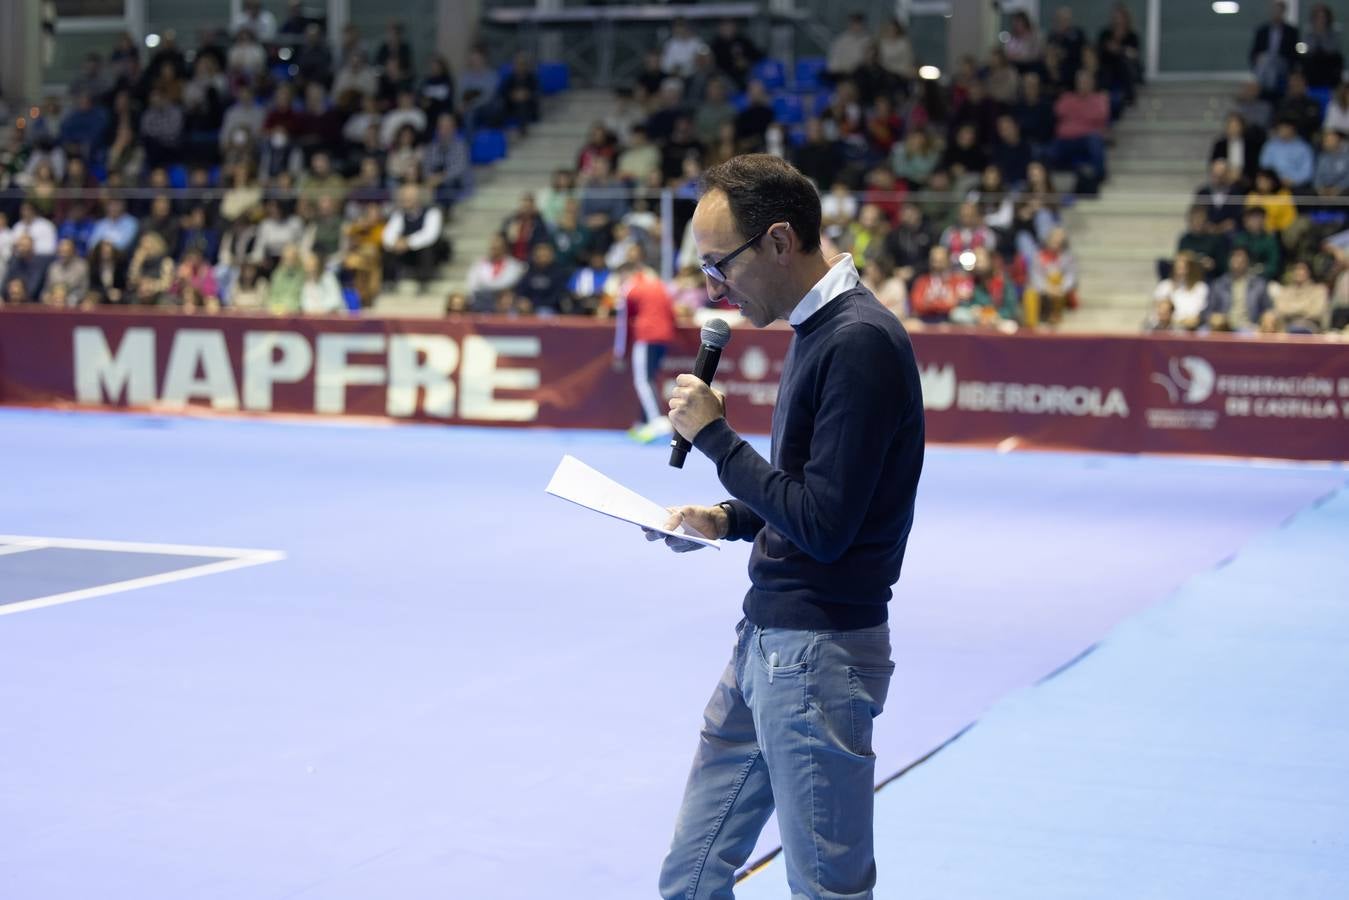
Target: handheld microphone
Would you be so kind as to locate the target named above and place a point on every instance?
(716, 334)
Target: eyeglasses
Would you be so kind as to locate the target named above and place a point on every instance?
(713, 269)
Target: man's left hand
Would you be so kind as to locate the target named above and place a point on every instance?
(694, 406)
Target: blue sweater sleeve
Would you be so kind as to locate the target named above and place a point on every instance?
(862, 402)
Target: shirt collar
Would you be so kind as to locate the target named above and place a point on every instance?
(841, 278)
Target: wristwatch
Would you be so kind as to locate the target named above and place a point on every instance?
(730, 516)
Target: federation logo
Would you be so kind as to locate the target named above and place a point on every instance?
(1190, 378)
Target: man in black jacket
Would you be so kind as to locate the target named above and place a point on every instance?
(1274, 50)
(829, 516)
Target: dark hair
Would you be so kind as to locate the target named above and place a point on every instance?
(763, 189)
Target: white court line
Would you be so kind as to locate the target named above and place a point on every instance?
(22, 546)
(231, 558)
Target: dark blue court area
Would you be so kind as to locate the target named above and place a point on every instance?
(454, 685)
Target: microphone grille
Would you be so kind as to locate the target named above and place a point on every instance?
(716, 333)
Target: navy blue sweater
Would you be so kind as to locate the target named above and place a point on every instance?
(830, 515)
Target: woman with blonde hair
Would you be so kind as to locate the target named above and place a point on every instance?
(1185, 290)
(150, 275)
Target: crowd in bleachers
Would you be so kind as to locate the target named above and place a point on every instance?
(1266, 243)
(264, 168)
(942, 188)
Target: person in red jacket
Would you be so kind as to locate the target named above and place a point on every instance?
(941, 290)
(646, 312)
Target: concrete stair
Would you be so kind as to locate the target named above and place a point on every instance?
(551, 144)
(1159, 158)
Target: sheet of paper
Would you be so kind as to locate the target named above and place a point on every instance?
(575, 481)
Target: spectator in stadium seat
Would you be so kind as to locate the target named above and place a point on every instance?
(542, 289)
(682, 146)
(1069, 40)
(1208, 246)
(1275, 199)
(28, 267)
(1337, 110)
(247, 58)
(285, 285)
(734, 53)
(39, 229)
(913, 160)
(939, 290)
(320, 293)
(66, 278)
(895, 51)
(1079, 137)
(320, 180)
(1324, 62)
(1288, 156)
(571, 239)
(412, 238)
(681, 50)
(1331, 178)
(969, 233)
(838, 208)
(162, 221)
(1003, 80)
(161, 130)
(92, 80)
(602, 196)
(525, 229)
(150, 274)
(697, 82)
(478, 83)
(446, 164)
(1162, 317)
(1034, 113)
(1052, 285)
(356, 76)
(294, 24)
(435, 94)
(1011, 154)
(1300, 108)
(1221, 198)
(884, 127)
(626, 113)
(865, 237)
(194, 286)
(1262, 247)
(256, 20)
(395, 48)
(323, 228)
(198, 234)
(1302, 306)
(1120, 51)
(1256, 111)
(520, 92)
(277, 231)
(669, 107)
(1240, 298)
(1274, 50)
(849, 49)
(404, 163)
(1186, 292)
(908, 246)
(1239, 147)
(640, 158)
(107, 275)
(318, 126)
(249, 290)
(964, 158)
(279, 153)
(492, 279)
(993, 299)
(406, 113)
(85, 127)
(313, 58)
(818, 158)
(1024, 47)
(363, 256)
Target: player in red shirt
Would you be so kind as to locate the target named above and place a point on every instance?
(646, 312)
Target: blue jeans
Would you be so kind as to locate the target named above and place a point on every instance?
(789, 726)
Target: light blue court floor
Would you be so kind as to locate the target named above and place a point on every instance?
(423, 677)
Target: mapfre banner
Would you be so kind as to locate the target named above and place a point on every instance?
(1243, 397)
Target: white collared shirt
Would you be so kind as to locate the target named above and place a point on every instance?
(841, 278)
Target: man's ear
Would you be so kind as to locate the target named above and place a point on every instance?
(784, 243)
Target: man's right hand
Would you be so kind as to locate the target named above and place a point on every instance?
(709, 521)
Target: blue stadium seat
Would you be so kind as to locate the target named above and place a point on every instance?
(488, 146)
(1321, 96)
(808, 72)
(740, 102)
(554, 78)
(821, 102)
(771, 72)
(178, 176)
(352, 299)
(787, 109)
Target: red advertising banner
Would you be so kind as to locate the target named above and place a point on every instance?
(1220, 396)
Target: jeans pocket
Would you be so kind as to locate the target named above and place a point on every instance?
(868, 687)
(780, 651)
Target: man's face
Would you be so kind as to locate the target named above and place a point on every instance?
(24, 246)
(1238, 262)
(748, 282)
(1217, 174)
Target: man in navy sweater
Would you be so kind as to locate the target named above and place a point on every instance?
(789, 725)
